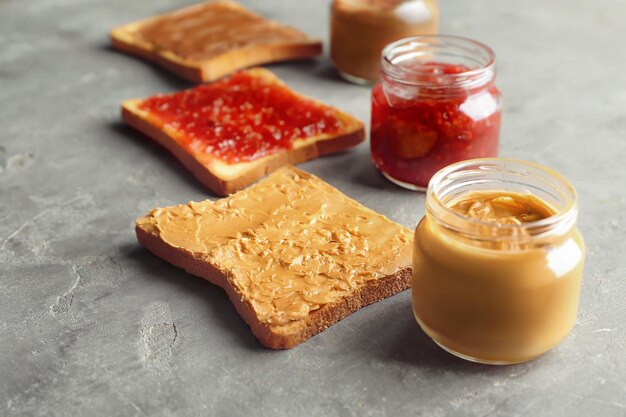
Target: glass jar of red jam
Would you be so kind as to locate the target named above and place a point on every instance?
(436, 104)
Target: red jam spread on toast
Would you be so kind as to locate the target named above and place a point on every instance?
(241, 118)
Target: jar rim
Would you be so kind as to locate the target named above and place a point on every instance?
(481, 74)
(566, 216)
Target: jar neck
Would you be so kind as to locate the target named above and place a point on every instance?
(439, 65)
(508, 176)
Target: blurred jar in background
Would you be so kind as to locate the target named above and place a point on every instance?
(360, 29)
(436, 104)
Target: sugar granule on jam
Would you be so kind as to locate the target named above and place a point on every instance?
(241, 118)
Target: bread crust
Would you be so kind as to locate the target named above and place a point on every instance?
(292, 334)
(352, 135)
(123, 39)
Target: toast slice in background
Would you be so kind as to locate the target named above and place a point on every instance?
(294, 254)
(227, 176)
(206, 41)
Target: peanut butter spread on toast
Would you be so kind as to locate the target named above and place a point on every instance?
(289, 244)
(210, 29)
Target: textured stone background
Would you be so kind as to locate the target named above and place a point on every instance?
(92, 324)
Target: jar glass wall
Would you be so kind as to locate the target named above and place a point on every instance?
(491, 292)
(436, 104)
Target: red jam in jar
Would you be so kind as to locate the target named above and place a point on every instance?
(435, 105)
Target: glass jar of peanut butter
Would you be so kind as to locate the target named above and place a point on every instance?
(498, 260)
(360, 29)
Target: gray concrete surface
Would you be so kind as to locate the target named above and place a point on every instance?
(92, 324)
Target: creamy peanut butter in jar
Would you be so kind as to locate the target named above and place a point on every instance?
(498, 260)
(360, 29)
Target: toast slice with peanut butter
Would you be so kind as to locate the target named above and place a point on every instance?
(206, 41)
(294, 254)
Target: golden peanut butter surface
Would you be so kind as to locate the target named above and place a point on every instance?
(289, 244)
(207, 30)
(377, 4)
(502, 207)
